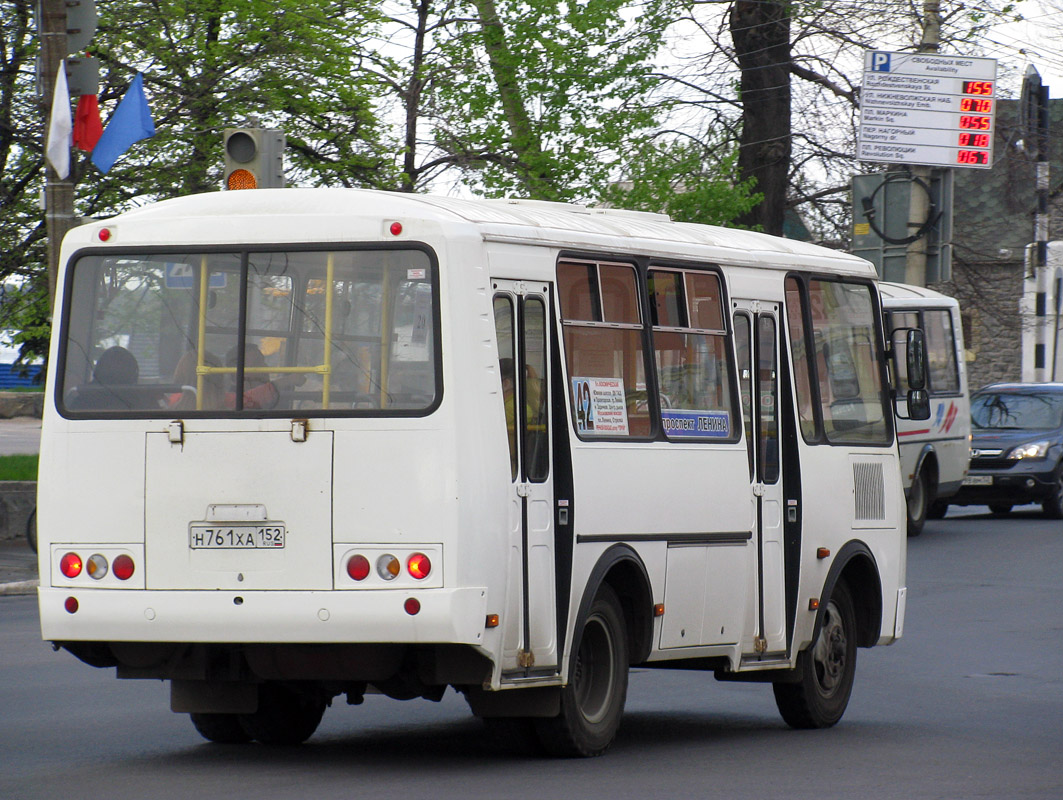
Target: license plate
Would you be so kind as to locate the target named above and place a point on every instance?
(978, 480)
(236, 537)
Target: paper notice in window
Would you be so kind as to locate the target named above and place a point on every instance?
(601, 409)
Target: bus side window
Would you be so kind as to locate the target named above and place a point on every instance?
(799, 338)
(941, 352)
(603, 335)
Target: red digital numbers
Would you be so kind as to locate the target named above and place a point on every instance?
(976, 104)
(975, 123)
(984, 88)
(974, 140)
(972, 157)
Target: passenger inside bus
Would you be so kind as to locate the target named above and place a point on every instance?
(113, 378)
(259, 391)
(184, 375)
(116, 367)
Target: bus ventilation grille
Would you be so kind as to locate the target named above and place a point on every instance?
(870, 491)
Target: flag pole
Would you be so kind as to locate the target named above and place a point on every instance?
(58, 192)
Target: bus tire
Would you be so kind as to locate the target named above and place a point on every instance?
(918, 503)
(1000, 509)
(826, 669)
(593, 701)
(31, 530)
(284, 716)
(220, 728)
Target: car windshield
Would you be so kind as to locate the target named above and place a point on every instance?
(1015, 411)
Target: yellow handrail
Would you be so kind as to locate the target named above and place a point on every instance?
(326, 380)
(201, 347)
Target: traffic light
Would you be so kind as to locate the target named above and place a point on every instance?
(254, 158)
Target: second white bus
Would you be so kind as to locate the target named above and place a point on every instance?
(305, 444)
(936, 452)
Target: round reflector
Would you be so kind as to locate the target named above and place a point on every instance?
(388, 567)
(70, 565)
(96, 566)
(70, 604)
(412, 605)
(358, 567)
(241, 179)
(418, 566)
(123, 567)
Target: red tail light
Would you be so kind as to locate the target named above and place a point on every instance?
(123, 567)
(70, 565)
(358, 567)
(418, 566)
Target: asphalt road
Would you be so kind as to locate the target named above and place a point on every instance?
(19, 436)
(968, 705)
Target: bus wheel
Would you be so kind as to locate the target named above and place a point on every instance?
(918, 501)
(284, 716)
(827, 669)
(593, 701)
(1000, 508)
(220, 728)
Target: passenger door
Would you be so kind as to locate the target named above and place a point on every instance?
(756, 325)
(522, 320)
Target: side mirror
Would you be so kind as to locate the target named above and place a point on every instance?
(918, 404)
(915, 352)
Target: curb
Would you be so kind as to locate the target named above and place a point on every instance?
(19, 588)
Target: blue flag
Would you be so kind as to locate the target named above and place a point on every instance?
(129, 123)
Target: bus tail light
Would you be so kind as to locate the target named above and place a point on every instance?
(388, 567)
(358, 567)
(70, 565)
(96, 567)
(123, 567)
(418, 565)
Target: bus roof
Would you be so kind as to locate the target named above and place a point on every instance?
(303, 214)
(902, 293)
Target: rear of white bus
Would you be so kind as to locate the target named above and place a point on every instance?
(246, 477)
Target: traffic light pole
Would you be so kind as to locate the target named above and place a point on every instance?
(58, 192)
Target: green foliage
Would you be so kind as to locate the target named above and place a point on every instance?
(681, 179)
(18, 468)
(22, 232)
(26, 313)
(553, 93)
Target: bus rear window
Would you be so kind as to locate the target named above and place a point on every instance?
(309, 332)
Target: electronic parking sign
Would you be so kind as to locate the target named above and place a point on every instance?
(925, 108)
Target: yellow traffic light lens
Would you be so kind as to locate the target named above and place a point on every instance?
(241, 179)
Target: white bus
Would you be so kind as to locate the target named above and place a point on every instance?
(308, 443)
(935, 453)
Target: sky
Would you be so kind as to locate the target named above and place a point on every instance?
(1038, 40)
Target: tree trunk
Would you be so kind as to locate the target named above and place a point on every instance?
(531, 167)
(760, 30)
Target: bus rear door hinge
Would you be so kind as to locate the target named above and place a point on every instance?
(175, 432)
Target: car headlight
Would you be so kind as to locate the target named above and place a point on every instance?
(1031, 450)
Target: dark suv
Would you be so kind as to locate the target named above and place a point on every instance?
(1016, 448)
